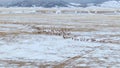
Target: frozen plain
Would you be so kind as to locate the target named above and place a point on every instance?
(59, 41)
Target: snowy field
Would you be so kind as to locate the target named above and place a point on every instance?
(59, 41)
(62, 10)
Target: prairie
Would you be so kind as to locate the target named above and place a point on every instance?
(59, 40)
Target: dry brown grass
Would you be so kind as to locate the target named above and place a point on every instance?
(19, 64)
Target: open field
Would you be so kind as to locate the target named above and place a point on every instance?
(33, 10)
(59, 41)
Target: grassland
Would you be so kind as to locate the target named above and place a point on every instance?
(98, 33)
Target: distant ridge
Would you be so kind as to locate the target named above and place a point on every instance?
(59, 3)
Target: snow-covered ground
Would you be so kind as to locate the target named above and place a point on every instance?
(45, 48)
(111, 4)
(59, 41)
(61, 10)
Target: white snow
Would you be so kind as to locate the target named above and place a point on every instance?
(111, 4)
(47, 48)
